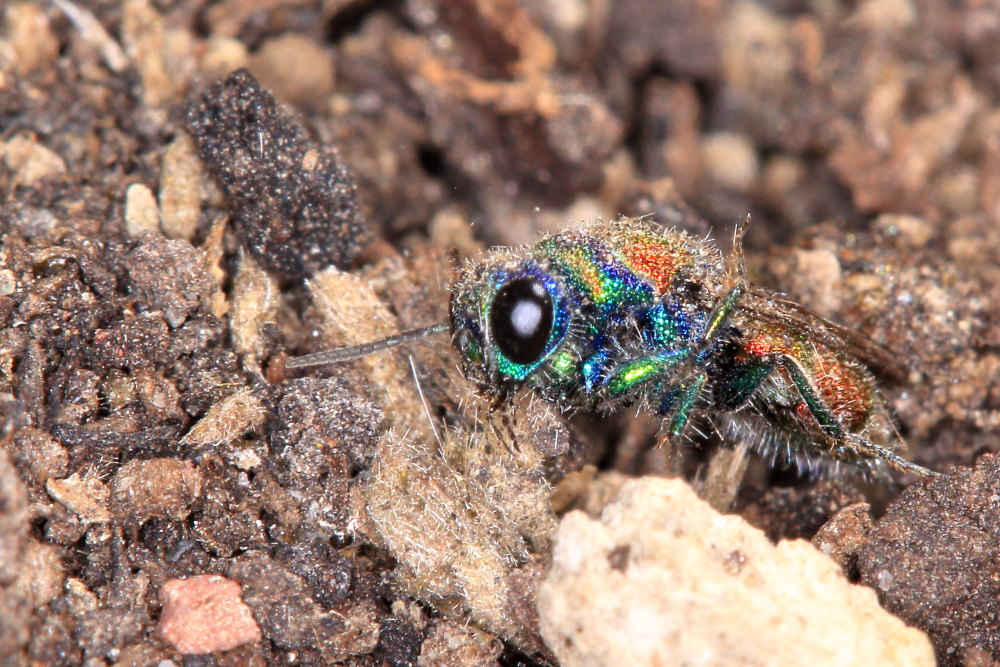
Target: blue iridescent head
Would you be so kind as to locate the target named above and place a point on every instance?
(508, 317)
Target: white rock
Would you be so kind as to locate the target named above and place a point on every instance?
(662, 579)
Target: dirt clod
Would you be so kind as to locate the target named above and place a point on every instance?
(933, 557)
(155, 487)
(294, 201)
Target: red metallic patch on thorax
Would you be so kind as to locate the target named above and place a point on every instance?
(655, 258)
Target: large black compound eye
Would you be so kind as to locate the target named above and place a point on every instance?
(521, 320)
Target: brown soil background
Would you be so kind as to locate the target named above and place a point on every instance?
(158, 233)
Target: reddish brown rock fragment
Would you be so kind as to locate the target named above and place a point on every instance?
(205, 614)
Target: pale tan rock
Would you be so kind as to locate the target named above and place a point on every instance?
(180, 189)
(824, 293)
(885, 16)
(731, 160)
(142, 216)
(662, 579)
(255, 303)
(229, 17)
(222, 55)
(295, 68)
(757, 52)
(161, 55)
(30, 161)
(911, 230)
(781, 176)
(85, 496)
(34, 45)
(450, 228)
(205, 614)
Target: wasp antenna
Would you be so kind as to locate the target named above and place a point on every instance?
(352, 352)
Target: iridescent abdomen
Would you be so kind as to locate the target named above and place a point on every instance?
(844, 385)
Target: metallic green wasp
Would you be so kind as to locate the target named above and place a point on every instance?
(625, 313)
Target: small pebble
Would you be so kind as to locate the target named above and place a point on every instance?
(731, 160)
(205, 614)
(30, 161)
(180, 188)
(141, 213)
(295, 68)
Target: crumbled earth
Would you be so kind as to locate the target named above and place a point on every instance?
(296, 202)
(193, 192)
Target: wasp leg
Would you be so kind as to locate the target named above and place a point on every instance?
(716, 319)
(501, 405)
(677, 400)
(890, 457)
(742, 382)
(643, 370)
(593, 368)
(687, 399)
(736, 268)
(831, 426)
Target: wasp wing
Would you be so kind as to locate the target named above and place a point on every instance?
(767, 306)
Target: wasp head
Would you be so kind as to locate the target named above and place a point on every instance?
(507, 319)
